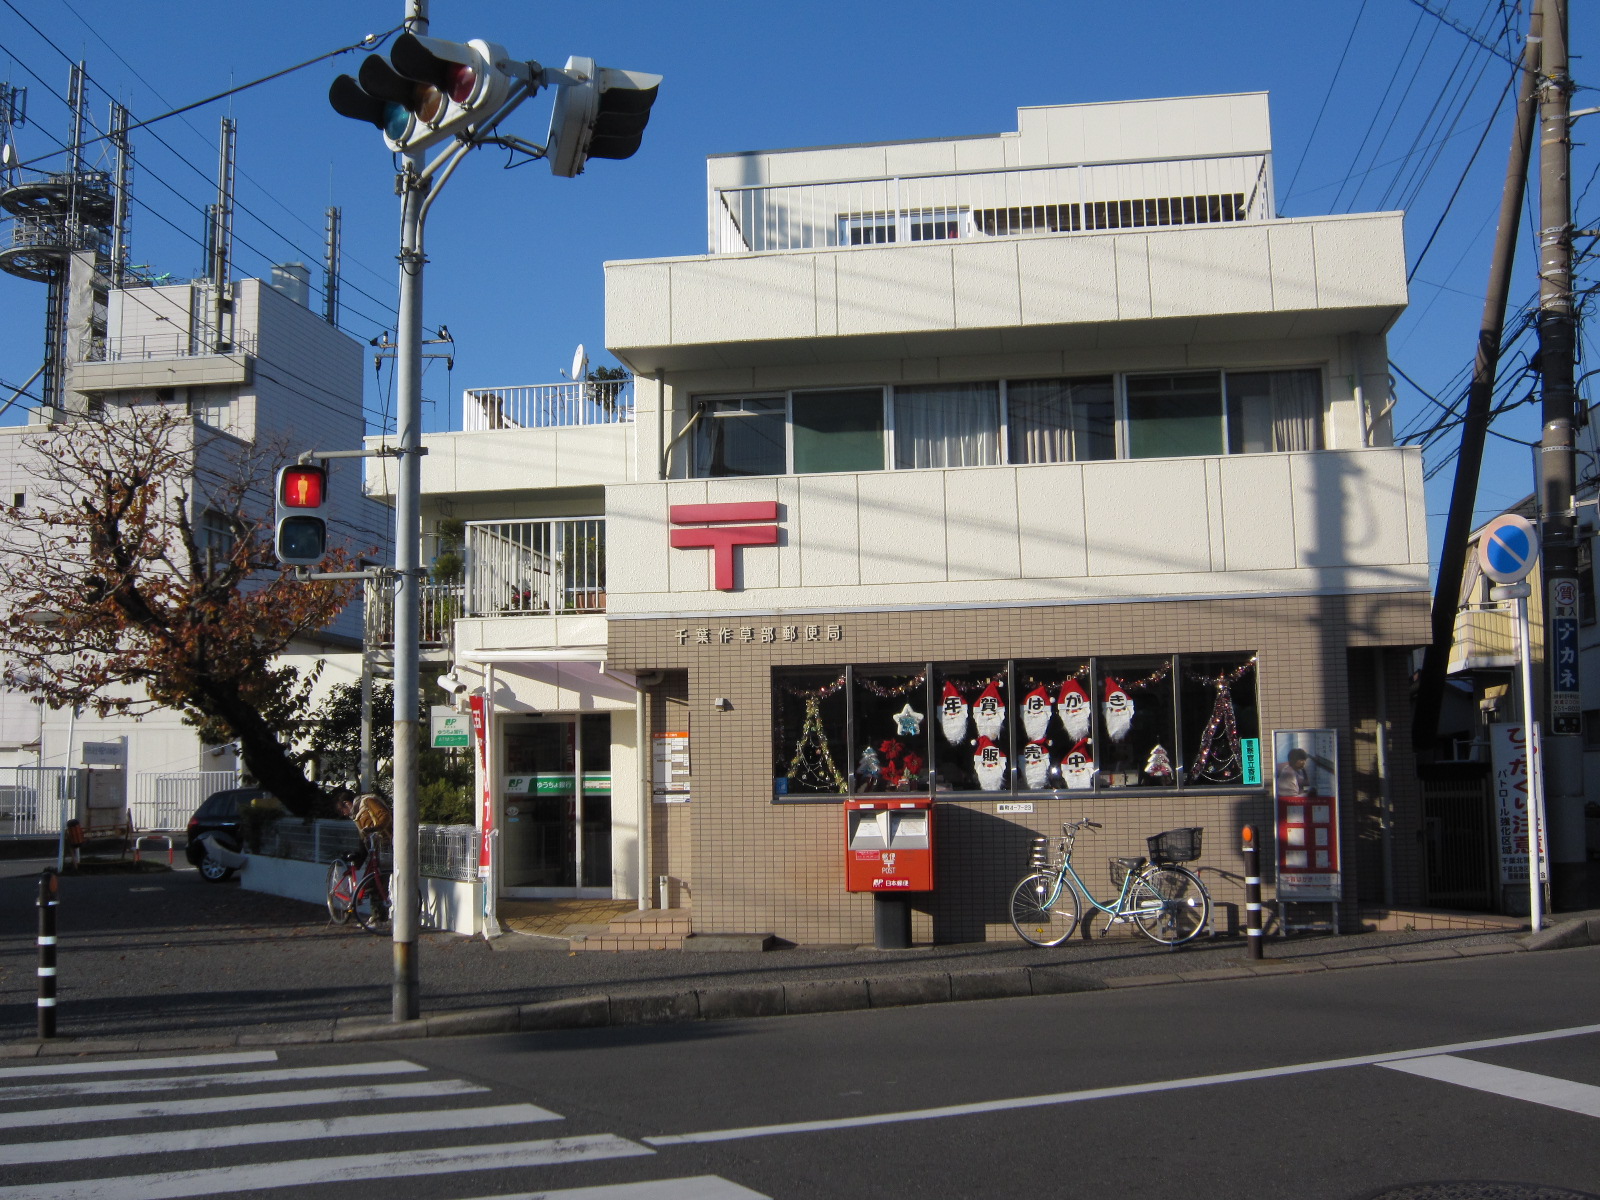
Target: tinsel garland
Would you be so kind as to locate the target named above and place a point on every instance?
(815, 769)
(893, 691)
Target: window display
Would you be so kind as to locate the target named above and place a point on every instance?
(891, 734)
(808, 728)
(1136, 713)
(1055, 742)
(1219, 711)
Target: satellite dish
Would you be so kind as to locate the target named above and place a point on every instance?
(8, 155)
(580, 362)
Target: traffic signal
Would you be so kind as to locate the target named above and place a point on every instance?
(427, 89)
(601, 113)
(300, 537)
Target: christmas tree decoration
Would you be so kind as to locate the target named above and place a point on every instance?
(812, 766)
(989, 713)
(1118, 710)
(908, 721)
(989, 763)
(1036, 762)
(1036, 712)
(868, 767)
(1219, 758)
(1077, 768)
(953, 712)
(1072, 706)
(1158, 765)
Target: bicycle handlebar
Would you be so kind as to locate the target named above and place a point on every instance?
(1083, 824)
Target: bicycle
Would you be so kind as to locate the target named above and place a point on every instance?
(358, 888)
(1165, 900)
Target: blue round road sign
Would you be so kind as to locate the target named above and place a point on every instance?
(1508, 548)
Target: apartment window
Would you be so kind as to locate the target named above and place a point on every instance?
(838, 431)
(1274, 411)
(1061, 420)
(741, 437)
(909, 225)
(218, 533)
(867, 229)
(1174, 415)
(947, 425)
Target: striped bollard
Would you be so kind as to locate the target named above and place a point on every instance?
(47, 953)
(1252, 890)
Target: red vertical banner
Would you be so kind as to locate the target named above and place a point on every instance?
(480, 736)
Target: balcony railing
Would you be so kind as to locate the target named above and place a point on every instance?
(441, 605)
(145, 347)
(548, 405)
(988, 204)
(543, 567)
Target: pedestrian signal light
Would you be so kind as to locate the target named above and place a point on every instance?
(300, 536)
(426, 90)
(600, 112)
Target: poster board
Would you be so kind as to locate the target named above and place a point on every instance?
(670, 762)
(1305, 788)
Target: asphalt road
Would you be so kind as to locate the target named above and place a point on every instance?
(1330, 1086)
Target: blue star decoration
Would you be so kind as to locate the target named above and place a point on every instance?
(908, 721)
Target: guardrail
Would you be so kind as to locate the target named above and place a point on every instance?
(441, 604)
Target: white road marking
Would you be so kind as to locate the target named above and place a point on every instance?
(178, 1140)
(172, 1083)
(54, 1066)
(309, 1172)
(700, 1187)
(1135, 1089)
(1580, 1098)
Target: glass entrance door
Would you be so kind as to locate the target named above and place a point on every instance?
(556, 806)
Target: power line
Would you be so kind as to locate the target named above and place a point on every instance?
(1326, 96)
(1466, 33)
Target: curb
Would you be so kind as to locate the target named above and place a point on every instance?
(1583, 931)
(769, 1000)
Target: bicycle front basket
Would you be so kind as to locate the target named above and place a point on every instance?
(1175, 845)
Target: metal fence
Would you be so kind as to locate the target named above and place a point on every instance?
(444, 851)
(37, 801)
(537, 567)
(143, 347)
(165, 800)
(440, 606)
(548, 405)
(989, 204)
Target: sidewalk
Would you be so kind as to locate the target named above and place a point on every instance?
(164, 960)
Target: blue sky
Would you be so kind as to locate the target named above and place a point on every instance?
(1378, 112)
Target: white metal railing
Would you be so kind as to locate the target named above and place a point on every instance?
(989, 204)
(541, 566)
(165, 800)
(440, 606)
(548, 405)
(145, 347)
(37, 801)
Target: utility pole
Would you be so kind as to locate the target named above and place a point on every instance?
(1563, 746)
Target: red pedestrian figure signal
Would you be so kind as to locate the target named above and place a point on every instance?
(300, 537)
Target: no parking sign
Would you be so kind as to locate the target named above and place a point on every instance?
(1508, 548)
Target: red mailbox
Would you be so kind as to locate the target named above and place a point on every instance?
(888, 845)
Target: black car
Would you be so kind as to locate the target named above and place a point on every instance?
(219, 815)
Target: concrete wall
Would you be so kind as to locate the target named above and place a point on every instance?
(494, 463)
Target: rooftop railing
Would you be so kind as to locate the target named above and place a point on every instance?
(536, 567)
(969, 205)
(548, 405)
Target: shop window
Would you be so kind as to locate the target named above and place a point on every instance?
(947, 425)
(1054, 732)
(891, 726)
(740, 437)
(971, 743)
(838, 431)
(1171, 416)
(809, 725)
(1217, 697)
(1135, 709)
(1274, 411)
(1060, 420)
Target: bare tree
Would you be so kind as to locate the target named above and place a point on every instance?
(141, 575)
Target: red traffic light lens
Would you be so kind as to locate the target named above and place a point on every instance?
(303, 487)
(460, 82)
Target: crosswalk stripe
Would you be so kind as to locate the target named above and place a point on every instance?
(54, 1067)
(274, 1131)
(306, 1172)
(1582, 1098)
(106, 1087)
(357, 1094)
(699, 1187)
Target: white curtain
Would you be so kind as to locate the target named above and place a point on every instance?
(1296, 410)
(947, 425)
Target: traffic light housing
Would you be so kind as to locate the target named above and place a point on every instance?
(600, 112)
(426, 90)
(300, 535)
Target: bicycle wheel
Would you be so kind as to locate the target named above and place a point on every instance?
(1041, 917)
(1169, 904)
(341, 892)
(370, 907)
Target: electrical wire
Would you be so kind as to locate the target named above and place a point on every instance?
(1326, 96)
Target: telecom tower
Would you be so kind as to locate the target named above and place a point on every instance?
(69, 232)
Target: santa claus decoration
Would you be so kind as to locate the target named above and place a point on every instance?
(1036, 713)
(989, 712)
(1077, 768)
(1036, 763)
(1118, 710)
(989, 763)
(952, 714)
(1072, 706)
